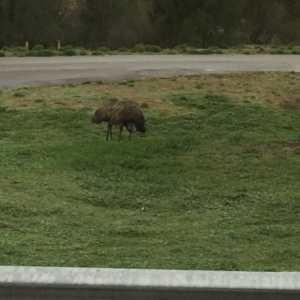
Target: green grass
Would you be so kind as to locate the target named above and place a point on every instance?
(208, 187)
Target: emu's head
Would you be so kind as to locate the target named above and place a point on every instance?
(141, 127)
(97, 117)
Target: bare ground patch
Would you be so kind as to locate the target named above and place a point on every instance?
(271, 87)
(292, 146)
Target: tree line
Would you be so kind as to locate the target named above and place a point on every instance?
(167, 23)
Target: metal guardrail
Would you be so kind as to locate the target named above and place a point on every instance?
(122, 284)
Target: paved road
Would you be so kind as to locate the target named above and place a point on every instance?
(34, 71)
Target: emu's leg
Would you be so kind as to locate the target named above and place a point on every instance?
(107, 132)
(121, 129)
(111, 132)
(109, 126)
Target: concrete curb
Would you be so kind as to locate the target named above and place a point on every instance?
(92, 283)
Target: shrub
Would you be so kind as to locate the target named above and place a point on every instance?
(66, 48)
(97, 52)
(123, 49)
(31, 53)
(139, 48)
(206, 51)
(19, 54)
(295, 52)
(153, 48)
(45, 52)
(20, 49)
(103, 49)
(83, 52)
(38, 47)
(80, 49)
(218, 51)
(193, 51)
(203, 51)
(2, 53)
(281, 51)
(182, 47)
(69, 52)
(5, 48)
(172, 51)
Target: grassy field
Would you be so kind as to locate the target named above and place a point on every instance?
(213, 184)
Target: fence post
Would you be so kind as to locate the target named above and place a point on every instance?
(58, 44)
(27, 45)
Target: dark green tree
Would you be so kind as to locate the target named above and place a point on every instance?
(258, 16)
(200, 22)
(98, 17)
(34, 21)
(288, 28)
(112, 22)
(1, 25)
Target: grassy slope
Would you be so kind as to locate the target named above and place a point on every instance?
(210, 186)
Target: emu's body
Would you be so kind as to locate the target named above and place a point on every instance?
(122, 114)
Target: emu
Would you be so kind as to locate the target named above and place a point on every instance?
(126, 115)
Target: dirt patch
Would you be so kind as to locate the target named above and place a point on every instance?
(253, 149)
(241, 147)
(292, 146)
(271, 87)
(76, 105)
(292, 103)
(141, 91)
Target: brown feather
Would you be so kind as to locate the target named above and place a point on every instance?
(123, 114)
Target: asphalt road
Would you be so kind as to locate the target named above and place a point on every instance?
(36, 71)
